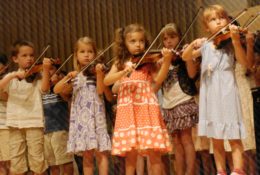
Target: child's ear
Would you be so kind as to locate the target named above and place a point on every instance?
(14, 58)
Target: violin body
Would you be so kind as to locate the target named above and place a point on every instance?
(34, 72)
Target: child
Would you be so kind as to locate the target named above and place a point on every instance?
(24, 113)
(88, 130)
(179, 108)
(220, 115)
(4, 131)
(139, 128)
(56, 115)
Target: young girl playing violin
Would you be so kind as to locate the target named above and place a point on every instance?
(87, 129)
(220, 115)
(24, 113)
(139, 128)
(180, 111)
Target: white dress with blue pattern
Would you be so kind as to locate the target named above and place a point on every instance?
(88, 128)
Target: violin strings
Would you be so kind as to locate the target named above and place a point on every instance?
(63, 64)
(47, 47)
(149, 48)
(237, 17)
(97, 57)
(91, 62)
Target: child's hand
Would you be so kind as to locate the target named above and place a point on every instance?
(55, 78)
(234, 33)
(99, 68)
(167, 54)
(198, 42)
(20, 74)
(46, 64)
(129, 67)
(72, 74)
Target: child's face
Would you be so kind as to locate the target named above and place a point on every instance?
(25, 57)
(215, 22)
(135, 42)
(85, 54)
(170, 41)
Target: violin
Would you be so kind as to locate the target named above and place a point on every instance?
(151, 57)
(224, 38)
(33, 72)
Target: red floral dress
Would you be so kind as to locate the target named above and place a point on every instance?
(139, 124)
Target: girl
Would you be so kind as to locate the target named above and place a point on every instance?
(88, 129)
(139, 128)
(24, 113)
(179, 108)
(220, 115)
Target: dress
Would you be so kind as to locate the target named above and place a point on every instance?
(247, 108)
(220, 114)
(88, 128)
(139, 124)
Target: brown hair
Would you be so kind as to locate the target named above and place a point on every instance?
(84, 40)
(18, 44)
(120, 51)
(171, 29)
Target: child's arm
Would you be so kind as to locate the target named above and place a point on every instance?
(65, 88)
(114, 74)
(163, 71)
(192, 51)
(250, 49)
(115, 87)
(5, 81)
(192, 68)
(45, 86)
(108, 94)
(240, 53)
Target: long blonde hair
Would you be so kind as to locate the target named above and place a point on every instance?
(120, 51)
(84, 40)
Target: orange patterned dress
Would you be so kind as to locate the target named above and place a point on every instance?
(139, 124)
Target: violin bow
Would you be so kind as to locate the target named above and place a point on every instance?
(146, 52)
(92, 61)
(188, 29)
(43, 52)
(223, 28)
(63, 64)
(252, 21)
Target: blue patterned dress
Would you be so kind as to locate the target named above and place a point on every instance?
(88, 128)
(220, 114)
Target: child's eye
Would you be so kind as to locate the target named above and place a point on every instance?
(212, 19)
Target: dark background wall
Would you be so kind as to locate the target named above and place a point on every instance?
(61, 22)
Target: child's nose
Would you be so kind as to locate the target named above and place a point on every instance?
(138, 44)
